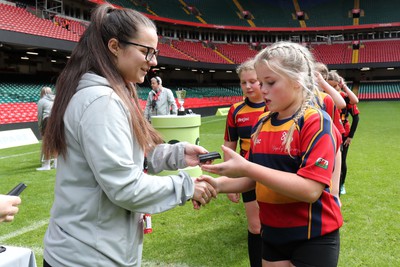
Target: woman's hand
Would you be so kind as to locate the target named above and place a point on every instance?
(192, 153)
(203, 193)
(8, 207)
(234, 166)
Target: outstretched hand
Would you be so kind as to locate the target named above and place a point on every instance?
(234, 166)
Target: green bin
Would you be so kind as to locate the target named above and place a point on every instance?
(175, 129)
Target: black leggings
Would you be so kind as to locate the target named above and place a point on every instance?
(343, 171)
(45, 264)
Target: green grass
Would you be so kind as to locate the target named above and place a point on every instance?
(216, 235)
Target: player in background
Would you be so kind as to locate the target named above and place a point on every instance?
(336, 81)
(241, 117)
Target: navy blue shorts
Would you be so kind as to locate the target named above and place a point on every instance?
(318, 251)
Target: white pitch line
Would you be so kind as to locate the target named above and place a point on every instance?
(19, 155)
(24, 230)
(152, 264)
(211, 121)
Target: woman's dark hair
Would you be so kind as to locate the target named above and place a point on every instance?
(92, 55)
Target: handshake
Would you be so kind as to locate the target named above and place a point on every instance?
(233, 171)
(204, 191)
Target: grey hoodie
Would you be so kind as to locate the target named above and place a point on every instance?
(101, 190)
(44, 105)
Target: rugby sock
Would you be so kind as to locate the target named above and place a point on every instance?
(254, 248)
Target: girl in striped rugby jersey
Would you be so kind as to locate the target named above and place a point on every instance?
(290, 164)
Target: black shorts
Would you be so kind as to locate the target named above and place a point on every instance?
(249, 196)
(43, 126)
(319, 251)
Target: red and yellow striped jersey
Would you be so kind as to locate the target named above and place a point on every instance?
(313, 149)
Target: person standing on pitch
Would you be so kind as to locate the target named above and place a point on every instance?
(44, 106)
(97, 128)
(239, 122)
(290, 164)
(160, 101)
(336, 81)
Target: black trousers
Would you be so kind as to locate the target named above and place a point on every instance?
(343, 172)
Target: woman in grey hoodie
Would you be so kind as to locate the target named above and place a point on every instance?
(101, 136)
(44, 105)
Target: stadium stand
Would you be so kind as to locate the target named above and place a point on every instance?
(319, 17)
(377, 12)
(236, 52)
(18, 100)
(270, 13)
(18, 112)
(332, 53)
(18, 19)
(380, 51)
(389, 90)
(166, 50)
(201, 53)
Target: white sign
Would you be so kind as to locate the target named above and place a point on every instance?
(18, 137)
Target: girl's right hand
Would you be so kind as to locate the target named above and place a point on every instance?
(234, 166)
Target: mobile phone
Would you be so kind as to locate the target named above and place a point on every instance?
(209, 156)
(17, 190)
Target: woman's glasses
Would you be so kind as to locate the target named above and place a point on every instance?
(151, 52)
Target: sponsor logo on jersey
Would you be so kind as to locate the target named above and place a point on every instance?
(243, 119)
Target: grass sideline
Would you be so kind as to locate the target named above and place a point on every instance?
(216, 235)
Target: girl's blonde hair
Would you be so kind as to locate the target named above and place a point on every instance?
(294, 62)
(245, 66)
(323, 69)
(334, 76)
(45, 91)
